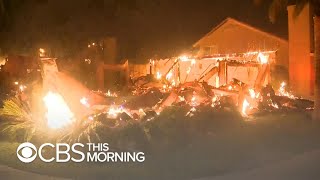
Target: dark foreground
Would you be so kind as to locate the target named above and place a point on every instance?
(209, 145)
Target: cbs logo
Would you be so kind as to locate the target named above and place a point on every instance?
(27, 149)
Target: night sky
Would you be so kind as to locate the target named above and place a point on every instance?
(146, 27)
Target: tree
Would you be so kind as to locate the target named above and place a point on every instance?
(275, 8)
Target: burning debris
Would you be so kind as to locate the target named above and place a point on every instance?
(83, 110)
(283, 92)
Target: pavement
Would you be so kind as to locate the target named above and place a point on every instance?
(8, 173)
(303, 166)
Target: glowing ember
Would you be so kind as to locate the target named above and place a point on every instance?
(193, 101)
(191, 111)
(58, 113)
(263, 59)
(109, 94)
(114, 111)
(215, 101)
(91, 118)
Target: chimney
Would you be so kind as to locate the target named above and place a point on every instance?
(300, 63)
(110, 50)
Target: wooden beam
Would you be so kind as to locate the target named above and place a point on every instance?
(263, 73)
(209, 74)
(222, 73)
(247, 64)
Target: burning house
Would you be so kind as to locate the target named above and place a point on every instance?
(237, 41)
(232, 36)
(228, 51)
(231, 70)
(237, 60)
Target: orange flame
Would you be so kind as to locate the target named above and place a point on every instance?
(58, 113)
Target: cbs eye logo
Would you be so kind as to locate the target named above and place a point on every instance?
(26, 152)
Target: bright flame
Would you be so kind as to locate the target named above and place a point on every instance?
(188, 70)
(194, 101)
(173, 83)
(193, 62)
(183, 58)
(263, 59)
(58, 113)
(215, 101)
(169, 75)
(109, 94)
(42, 52)
(217, 81)
(252, 93)
(141, 113)
(22, 88)
(84, 101)
(275, 105)
(158, 75)
(245, 106)
(282, 91)
(181, 98)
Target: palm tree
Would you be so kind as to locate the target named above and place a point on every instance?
(274, 9)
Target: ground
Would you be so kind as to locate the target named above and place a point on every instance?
(210, 145)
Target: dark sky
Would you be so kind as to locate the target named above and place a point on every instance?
(177, 23)
(157, 26)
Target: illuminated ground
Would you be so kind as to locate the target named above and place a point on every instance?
(211, 144)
